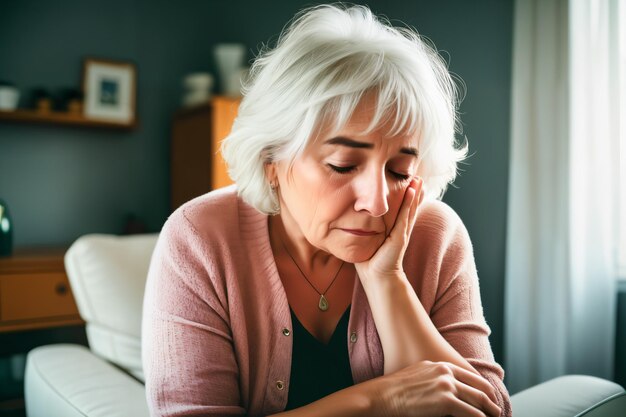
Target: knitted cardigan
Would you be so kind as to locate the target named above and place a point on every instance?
(215, 309)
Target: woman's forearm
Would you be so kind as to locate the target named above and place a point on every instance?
(355, 401)
(406, 332)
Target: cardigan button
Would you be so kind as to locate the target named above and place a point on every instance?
(286, 331)
(280, 385)
(353, 337)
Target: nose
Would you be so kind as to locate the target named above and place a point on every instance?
(372, 193)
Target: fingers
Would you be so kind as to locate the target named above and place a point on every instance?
(417, 185)
(441, 388)
(478, 399)
(458, 407)
(474, 380)
(471, 388)
(408, 210)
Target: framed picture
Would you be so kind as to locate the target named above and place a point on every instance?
(110, 90)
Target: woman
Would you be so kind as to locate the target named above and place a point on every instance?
(322, 284)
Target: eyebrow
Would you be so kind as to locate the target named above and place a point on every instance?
(351, 143)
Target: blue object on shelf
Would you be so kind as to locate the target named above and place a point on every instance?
(6, 230)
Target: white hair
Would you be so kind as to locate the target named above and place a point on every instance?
(324, 62)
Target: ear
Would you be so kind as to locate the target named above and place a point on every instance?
(270, 172)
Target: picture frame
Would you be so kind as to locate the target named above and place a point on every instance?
(109, 89)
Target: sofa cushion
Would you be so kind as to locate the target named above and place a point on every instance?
(108, 275)
(69, 381)
(565, 396)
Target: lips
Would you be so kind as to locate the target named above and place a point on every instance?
(361, 232)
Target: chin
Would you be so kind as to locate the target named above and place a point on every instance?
(355, 255)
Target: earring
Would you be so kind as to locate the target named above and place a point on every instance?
(276, 201)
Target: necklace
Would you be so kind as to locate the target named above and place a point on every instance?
(323, 304)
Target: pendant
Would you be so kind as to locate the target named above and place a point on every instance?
(323, 305)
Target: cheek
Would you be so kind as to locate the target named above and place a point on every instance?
(331, 202)
(317, 201)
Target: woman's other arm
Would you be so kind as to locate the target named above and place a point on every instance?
(188, 358)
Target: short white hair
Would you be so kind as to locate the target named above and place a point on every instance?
(324, 62)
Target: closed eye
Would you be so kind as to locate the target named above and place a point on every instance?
(342, 170)
(401, 177)
(348, 169)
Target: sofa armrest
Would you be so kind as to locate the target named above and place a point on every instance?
(69, 380)
(565, 396)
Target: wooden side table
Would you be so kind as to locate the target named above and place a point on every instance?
(35, 292)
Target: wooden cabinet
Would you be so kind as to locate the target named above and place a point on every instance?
(35, 292)
(196, 165)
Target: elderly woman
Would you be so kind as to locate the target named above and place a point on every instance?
(329, 281)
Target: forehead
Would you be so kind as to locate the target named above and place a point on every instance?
(358, 133)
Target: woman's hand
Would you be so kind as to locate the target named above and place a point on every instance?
(387, 261)
(434, 389)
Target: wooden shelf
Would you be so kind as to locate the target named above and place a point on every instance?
(60, 118)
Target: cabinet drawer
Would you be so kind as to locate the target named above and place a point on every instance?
(35, 296)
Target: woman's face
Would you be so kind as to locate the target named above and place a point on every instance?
(342, 195)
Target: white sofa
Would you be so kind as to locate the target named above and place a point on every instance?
(108, 273)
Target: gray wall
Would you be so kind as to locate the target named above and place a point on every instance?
(61, 182)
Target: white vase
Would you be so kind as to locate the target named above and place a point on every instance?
(9, 97)
(230, 58)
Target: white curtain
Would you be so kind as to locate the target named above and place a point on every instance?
(561, 267)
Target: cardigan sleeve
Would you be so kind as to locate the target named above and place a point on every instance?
(450, 292)
(187, 346)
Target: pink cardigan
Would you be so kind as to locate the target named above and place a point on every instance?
(215, 310)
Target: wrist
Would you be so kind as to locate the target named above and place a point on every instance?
(384, 282)
(377, 404)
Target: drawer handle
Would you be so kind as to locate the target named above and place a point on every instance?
(61, 288)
